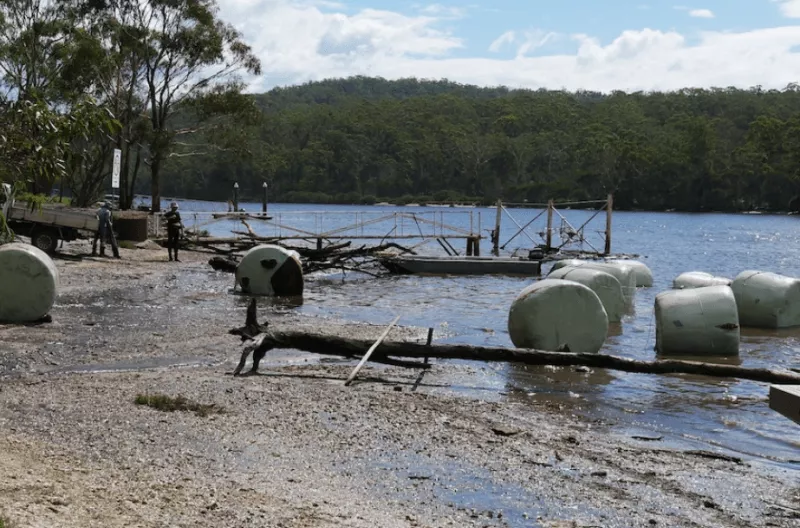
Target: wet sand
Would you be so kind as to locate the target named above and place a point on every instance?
(294, 447)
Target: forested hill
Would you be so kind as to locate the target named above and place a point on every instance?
(361, 139)
(336, 91)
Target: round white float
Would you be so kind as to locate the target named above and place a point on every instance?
(767, 300)
(698, 279)
(270, 270)
(643, 274)
(28, 283)
(620, 270)
(556, 314)
(573, 263)
(605, 285)
(697, 322)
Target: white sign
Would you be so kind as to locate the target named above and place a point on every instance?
(117, 164)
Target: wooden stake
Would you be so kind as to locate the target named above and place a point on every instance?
(609, 210)
(496, 235)
(428, 343)
(370, 351)
(549, 234)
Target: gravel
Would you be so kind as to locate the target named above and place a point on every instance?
(293, 447)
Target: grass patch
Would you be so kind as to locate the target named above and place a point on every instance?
(5, 523)
(164, 403)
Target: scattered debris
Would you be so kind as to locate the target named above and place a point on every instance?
(164, 403)
(647, 438)
(506, 430)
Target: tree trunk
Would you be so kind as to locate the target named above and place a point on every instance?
(124, 195)
(135, 174)
(155, 184)
(339, 346)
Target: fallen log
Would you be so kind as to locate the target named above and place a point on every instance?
(347, 347)
(223, 264)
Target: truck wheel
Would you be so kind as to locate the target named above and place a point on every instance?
(45, 239)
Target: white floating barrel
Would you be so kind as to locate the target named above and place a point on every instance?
(556, 314)
(697, 322)
(605, 285)
(698, 279)
(28, 283)
(573, 263)
(270, 270)
(644, 277)
(767, 300)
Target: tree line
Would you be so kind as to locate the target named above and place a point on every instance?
(360, 139)
(161, 81)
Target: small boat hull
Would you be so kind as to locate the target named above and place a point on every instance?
(462, 266)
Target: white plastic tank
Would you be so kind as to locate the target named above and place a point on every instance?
(573, 263)
(270, 270)
(557, 314)
(644, 276)
(28, 283)
(767, 300)
(697, 322)
(605, 285)
(698, 279)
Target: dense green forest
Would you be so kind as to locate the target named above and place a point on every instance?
(358, 140)
(162, 82)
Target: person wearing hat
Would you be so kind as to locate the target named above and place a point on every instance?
(174, 227)
(104, 229)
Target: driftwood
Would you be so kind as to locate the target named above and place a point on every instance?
(223, 264)
(364, 360)
(339, 346)
(334, 256)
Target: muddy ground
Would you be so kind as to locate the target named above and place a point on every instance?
(293, 447)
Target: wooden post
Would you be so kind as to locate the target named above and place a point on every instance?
(236, 197)
(264, 199)
(609, 211)
(319, 244)
(549, 234)
(476, 246)
(496, 232)
(469, 246)
(785, 399)
(429, 341)
(370, 351)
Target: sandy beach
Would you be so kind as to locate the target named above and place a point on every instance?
(293, 447)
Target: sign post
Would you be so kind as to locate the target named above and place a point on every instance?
(116, 170)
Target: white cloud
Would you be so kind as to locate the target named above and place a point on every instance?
(789, 8)
(302, 42)
(696, 13)
(509, 37)
(701, 13)
(440, 10)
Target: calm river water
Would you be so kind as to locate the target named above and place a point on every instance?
(730, 414)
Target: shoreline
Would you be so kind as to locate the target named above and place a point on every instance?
(294, 447)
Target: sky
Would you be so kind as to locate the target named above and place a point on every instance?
(598, 45)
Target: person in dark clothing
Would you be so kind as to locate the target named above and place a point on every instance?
(105, 230)
(174, 227)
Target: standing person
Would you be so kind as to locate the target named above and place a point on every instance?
(174, 227)
(104, 229)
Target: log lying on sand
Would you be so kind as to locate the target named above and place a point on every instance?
(340, 346)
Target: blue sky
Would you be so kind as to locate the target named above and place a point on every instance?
(573, 44)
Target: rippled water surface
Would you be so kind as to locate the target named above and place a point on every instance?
(728, 413)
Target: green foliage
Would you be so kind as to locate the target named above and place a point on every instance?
(164, 403)
(410, 141)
